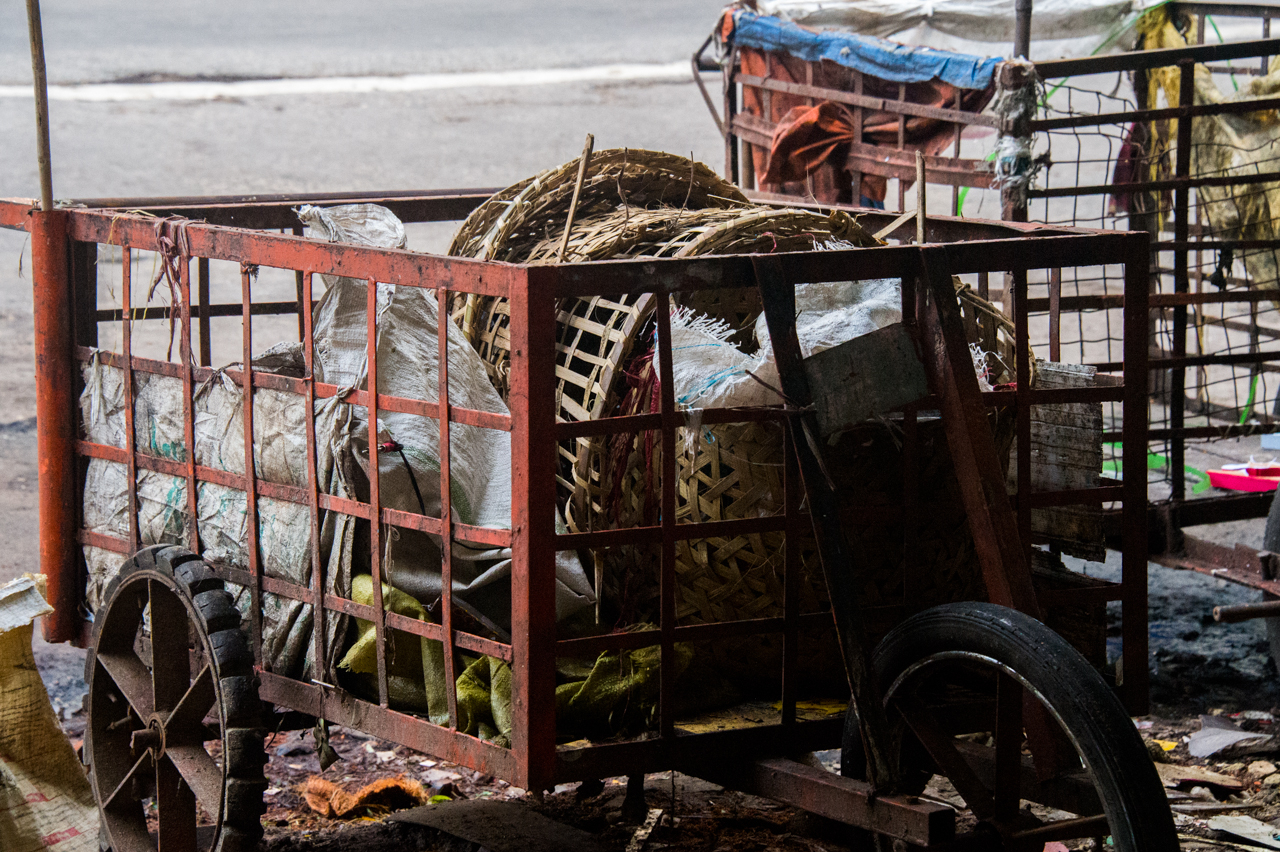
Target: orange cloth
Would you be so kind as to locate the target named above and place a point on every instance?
(806, 138)
(380, 797)
(828, 180)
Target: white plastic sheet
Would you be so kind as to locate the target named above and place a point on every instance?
(1059, 28)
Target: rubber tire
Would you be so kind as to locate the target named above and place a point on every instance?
(243, 733)
(1128, 786)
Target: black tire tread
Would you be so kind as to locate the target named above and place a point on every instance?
(241, 708)
(1128, 783)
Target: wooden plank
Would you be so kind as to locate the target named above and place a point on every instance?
(868, 375)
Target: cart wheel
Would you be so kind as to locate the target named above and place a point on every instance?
(1088, 779)
(174, 742)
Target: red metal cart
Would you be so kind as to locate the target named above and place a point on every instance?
(183, 731)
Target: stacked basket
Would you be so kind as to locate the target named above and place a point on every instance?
(641, 203)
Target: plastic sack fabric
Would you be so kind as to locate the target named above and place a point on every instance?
(1059, 28)
(883, 59)
(617, 691)
(284, 528)
(408, 366)
(707, 371)
(1223, 146)
(46, 802)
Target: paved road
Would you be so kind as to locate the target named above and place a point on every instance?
(98, 41)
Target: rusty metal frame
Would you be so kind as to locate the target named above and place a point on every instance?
(535, 760)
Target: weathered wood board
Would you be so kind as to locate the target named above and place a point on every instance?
(868, 375)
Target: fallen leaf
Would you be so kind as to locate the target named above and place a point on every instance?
(1167, 745)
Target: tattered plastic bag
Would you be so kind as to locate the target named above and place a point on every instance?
(408, 351)
(284, 528)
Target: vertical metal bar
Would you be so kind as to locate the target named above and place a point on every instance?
(250, 469)
(375, 493)
(83, 271)
(1266, 33)
(446, 511)
(856, 174)
(1181, 203)
(188, 402)
(1022, 28)
(1055, 314)
(56, 424)
(984, 285)
(791, 566)
(304, 306)
(1008, 737)
(533, 459)
(1134, 542)
(202, 291)
(730, 111)
(130, 439)
(1022, 402)
(901, 145)
(667, 586)
(912, 571)
(319, 619)
(955, 189)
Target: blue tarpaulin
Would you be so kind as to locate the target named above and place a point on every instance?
(887, 60)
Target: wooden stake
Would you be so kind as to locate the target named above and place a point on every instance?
(577, 188)
(920, 194)
(42, 103)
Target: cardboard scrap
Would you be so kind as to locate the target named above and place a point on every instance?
(1253, 830)
(1218, 734)
(45, 799)
(381, 797)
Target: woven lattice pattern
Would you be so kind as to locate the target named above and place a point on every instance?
(727, 471)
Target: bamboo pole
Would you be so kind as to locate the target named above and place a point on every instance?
(41, 85)
(577, 189)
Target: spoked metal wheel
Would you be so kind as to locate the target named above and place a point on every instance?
(174, 741)
(999, 716)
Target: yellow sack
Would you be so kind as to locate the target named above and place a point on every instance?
(46, 804)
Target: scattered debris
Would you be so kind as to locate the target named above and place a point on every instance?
(1218, 734)
(641, 836)
(379, 798)
(1248, 828)
(1173, 775)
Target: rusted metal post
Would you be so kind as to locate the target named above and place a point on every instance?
(1181, 231)
(1022, 29)
(921, 209)
(533, 497)
(1134, 542)
(55, 424)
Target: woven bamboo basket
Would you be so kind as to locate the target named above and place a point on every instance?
(604, 368)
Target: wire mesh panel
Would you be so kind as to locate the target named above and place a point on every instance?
(1172, 142)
